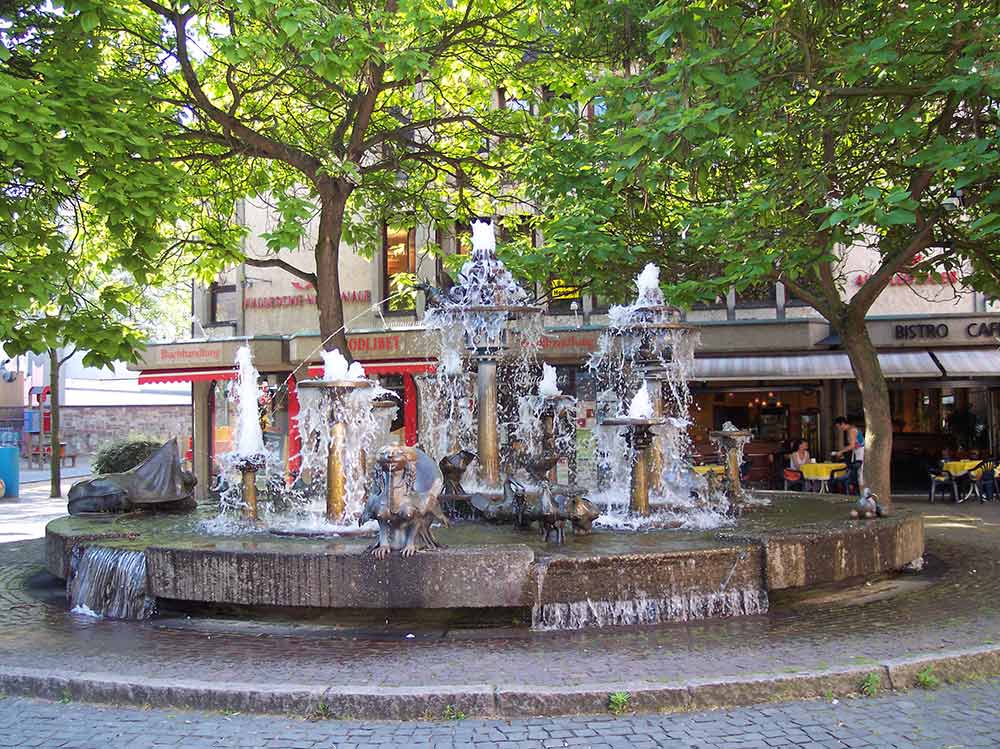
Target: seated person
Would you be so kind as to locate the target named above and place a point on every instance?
(794, 480)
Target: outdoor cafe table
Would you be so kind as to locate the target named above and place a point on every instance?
(709, 469)
(820, 472)
(956, 467)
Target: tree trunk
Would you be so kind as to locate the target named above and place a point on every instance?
(331, 307)
(875, 401)
(55, 460)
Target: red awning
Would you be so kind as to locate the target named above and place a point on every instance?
(150, 376)
(377, 368)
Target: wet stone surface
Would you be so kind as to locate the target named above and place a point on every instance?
(954, 717)
(956, 604)
(608, 577)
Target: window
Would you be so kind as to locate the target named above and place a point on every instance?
(511, 103)
(463, 238)
(597, 108)
(224, 304)
(399, 264)
(513, 228)
(758, 295)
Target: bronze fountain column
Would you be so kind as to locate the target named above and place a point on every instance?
(334, 392)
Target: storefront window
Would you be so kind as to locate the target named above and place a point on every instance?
(399, 267)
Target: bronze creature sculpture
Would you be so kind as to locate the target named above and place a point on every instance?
(551, 510)
(159, 483)
(867, 507)
(453, 467)
(403, 498)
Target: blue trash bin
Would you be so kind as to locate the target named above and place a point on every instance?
(10, 470)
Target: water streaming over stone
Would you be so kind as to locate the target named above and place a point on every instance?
(109, 582)
(644, 610)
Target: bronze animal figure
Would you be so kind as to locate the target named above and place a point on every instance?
(157, 484)
(403, 498)
(453, 468)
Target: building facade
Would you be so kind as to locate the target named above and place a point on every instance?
(766, 361)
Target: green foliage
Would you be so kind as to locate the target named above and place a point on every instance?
(339, 116)
(94, 208)
(926, 678)
(118, 457)
(452, 713)
(321, 711)
(618, 702)
(871, 685)
(751, 143)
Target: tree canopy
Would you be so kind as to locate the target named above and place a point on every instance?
(93, 207)
(752, 144)
(342, 116)
(764, 139)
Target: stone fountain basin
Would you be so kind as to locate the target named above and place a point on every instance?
(797, 542)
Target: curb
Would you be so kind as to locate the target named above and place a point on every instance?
(487, 701)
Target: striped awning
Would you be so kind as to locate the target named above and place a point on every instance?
(150, 376)
(832, 366)
(970, 363)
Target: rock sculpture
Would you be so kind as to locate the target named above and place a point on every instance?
(157, 484)
(403, 498)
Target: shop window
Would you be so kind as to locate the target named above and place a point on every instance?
(399, 266)
(224, 304)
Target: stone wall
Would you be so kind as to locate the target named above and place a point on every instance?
(85, 429)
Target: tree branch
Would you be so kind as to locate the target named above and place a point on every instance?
(277, 262)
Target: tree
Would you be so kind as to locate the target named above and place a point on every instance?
(93, 209)
(349, 114)
(764, 140)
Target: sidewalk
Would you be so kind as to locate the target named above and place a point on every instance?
(24, 517)
(35, 475)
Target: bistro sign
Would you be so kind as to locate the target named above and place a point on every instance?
(940, 330)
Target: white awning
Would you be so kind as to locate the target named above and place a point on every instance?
(833, 366)
(970, 363)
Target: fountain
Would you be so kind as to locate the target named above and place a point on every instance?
(339, 383)
(640, 421)
(250, 456)
(731, 442)
(482, 305)
(651, 541)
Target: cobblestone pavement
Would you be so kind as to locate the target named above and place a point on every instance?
(957, 606)
(949, 717)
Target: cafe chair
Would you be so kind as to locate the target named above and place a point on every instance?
(941, 479)
(794, 480)
(984, 480)
(847, 480)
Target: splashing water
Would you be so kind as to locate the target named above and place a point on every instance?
(547, 385)
(335, 367)
(648, 285)
(250, 436)
(641, 406)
